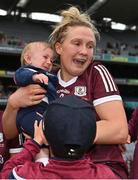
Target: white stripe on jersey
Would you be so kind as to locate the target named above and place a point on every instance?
(107, 99)
(106, 77)
(15, 150)
(105, 69)
(103, 78)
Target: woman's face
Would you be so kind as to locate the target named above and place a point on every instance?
(76, 51)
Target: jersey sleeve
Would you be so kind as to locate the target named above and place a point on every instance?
(15, 145)
(103, 84)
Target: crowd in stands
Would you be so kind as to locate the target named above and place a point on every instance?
(121, 49)
(11, 40)
(6, 90)
(113, 48)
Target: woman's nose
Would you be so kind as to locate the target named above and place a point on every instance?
(83, 50)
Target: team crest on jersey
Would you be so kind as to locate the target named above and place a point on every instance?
(80, 91)
(1, 137)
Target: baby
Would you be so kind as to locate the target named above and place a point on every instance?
(37, 61)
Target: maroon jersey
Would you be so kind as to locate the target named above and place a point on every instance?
(22, 166)
(7, 147)
(133, 131)
(97, 86)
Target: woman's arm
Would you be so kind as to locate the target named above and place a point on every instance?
(23, 97)
(112, 128)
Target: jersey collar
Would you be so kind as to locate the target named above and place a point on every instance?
(63, 83)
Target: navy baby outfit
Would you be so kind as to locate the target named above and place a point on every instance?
(27, 116)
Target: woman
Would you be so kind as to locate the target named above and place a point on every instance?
(74, 40)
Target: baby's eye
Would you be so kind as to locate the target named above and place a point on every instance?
(77, 43)
(46, 57)
(51, 59)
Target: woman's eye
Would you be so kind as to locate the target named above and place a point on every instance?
(90, 46)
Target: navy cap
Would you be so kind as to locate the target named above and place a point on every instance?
(69, 126)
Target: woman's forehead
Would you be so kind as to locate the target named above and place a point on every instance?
(80, 32)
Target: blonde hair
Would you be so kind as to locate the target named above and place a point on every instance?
(71, 17)
(29, 47)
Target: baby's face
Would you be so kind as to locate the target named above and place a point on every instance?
(42, 57)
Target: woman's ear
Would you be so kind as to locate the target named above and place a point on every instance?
(58, 48)
(27, 58)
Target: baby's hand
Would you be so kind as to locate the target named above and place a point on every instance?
(40, 78)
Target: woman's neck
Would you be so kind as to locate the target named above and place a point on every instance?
(65, 76)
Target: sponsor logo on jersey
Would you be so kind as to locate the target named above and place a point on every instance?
(65, 91)
(80, 91)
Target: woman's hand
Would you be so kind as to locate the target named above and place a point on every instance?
(22, 97)
(27, 96)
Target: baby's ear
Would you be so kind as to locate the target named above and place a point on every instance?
(27, 58)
